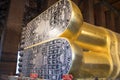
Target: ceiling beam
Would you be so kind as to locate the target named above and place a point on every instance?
(115, 2)
(108, 5)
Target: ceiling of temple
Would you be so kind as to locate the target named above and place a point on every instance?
(115, 3)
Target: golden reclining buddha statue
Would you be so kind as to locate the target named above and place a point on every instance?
(95, 51)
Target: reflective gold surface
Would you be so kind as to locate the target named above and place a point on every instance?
(100, 53)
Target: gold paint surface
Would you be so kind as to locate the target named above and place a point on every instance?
(100, 53)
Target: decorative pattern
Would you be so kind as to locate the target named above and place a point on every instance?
(50, 60)
(48, 24)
